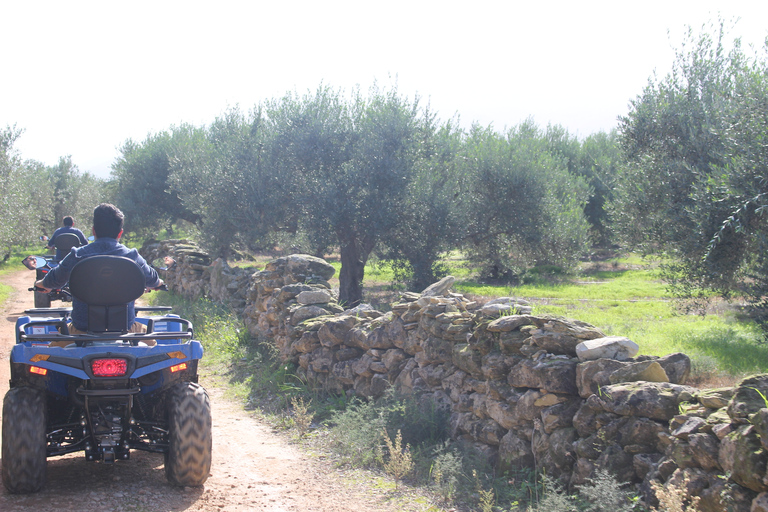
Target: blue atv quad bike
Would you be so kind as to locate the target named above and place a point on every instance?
(63, 244)
(42, 266)
(108, 391)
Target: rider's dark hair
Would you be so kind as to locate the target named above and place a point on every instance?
(107, 221)
(68, 221)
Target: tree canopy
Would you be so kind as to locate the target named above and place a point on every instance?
(694, 183)
(364, 174)
(35, 198)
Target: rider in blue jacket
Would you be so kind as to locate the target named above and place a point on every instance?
(107, 229)
(68, 227)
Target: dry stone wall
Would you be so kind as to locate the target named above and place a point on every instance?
(527, 391)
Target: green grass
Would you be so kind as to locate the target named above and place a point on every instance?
(13, 264)
(375, 271)
(5, 292)
(602, 285)
(738, 347)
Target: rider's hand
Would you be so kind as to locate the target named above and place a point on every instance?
(159, 285)
(39, 284)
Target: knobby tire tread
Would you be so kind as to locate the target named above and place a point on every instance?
(188, 460)
(24, 443)
(42, 300)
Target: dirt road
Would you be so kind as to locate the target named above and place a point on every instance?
(253, 468)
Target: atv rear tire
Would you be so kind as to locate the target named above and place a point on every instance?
(188, 459)
(24, 444)
(42, 300)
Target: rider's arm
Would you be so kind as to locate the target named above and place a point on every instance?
(151, 277)
(52, 240)
(58, 277)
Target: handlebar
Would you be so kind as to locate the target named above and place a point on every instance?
(161, 288)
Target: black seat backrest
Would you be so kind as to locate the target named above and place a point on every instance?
(65, 242)
(107, 285)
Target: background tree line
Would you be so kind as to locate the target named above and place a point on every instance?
(34, 198)
(684, 176)
(372, 173)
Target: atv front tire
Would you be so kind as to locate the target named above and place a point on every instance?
(42, 300)
(188, 459)
(24, 444)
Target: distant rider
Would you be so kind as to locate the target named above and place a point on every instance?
(107, 229)
(68, 227)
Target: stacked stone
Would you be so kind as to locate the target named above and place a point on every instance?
(228, 285)
(288, 291)
(190, 276)
(718, 444)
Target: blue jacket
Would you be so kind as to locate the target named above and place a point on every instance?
(59, 276)
(60, 231)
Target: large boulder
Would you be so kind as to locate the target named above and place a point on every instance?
(655, 400)
(515, 453)
(609, 347)
(742, 456)
(439, 288)
(750, 396)
(591, 376)
(554, 375)
(649, 371)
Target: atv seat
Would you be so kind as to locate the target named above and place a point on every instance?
(65, 242)
(108, 285)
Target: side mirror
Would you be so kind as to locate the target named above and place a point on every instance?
(33, 262)
(30, 262)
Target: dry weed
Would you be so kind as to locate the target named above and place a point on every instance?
(302, 417)
(400, 462)
(675, 498)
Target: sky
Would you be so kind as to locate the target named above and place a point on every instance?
(82, 77)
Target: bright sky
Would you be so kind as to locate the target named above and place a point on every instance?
(81, 77)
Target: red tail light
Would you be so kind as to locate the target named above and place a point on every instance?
(38, 370)
(178, 367)
(109, 367)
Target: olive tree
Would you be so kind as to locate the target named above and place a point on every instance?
(140, 176)
(523, 207)
(350, 163)
(599, 161)
(63, 190)
(430, 220)
(694, 183)
(596, 160)
(222, 174)
(20, 222)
